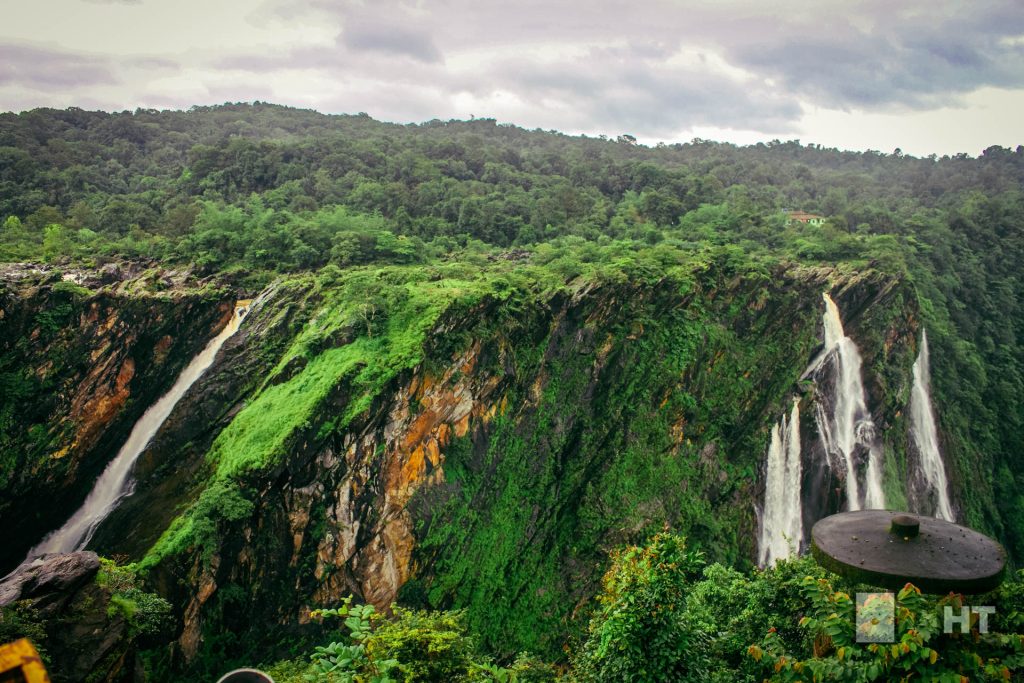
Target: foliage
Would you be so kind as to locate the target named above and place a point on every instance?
(147, 614)
(390, 237)
(645, 416)
(640, 632)
(21, 619)
(920, 651)
(253, 190)
(793, 622)
(739, 608)
(408, 647)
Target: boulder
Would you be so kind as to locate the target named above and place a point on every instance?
(51, 578)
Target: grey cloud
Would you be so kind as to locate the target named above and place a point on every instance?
(43, 68)
(650, 99)
(903, 62)
(337, 60)
(615, 65)
(617, 87)
(264, 62)
(390, 38)
(869, 54)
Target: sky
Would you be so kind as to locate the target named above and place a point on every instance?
(925, 76)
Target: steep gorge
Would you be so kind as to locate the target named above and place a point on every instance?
(480, 441)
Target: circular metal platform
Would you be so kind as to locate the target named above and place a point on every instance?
(890, 549)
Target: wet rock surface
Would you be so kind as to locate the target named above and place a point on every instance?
(84, 640)
(348, 512)
(49, 576)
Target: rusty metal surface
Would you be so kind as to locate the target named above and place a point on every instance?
(940, 557)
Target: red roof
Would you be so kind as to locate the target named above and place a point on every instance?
(802, 216)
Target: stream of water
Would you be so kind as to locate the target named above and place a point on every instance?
(931, 487)
(115, 483)
(848, 438)
(782, 519)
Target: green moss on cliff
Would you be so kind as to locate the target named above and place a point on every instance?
(639, 396)
(666, 429)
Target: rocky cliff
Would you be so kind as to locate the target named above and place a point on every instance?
(82, 355)
(475, 439)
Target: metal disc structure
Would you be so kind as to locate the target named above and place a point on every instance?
(245, 676)
(890, 549)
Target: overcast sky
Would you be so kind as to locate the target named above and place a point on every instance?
(926, 76)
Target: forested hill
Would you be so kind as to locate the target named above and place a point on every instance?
(497, 183)
(247, 191)
(250, 191)
(476, 358)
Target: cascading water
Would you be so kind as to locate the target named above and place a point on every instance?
(115, 483)
(929, 485)
(847, 433)
(781, 520)
(843, 420)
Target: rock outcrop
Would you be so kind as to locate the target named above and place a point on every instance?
(490, 475)
(535, 432)
(82, 638)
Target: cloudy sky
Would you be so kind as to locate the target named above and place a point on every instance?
(923, 75)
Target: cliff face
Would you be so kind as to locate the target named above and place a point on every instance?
(478, 442)
(79, 365)
(531, 434)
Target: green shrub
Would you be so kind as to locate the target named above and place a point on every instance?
(21, 620)
(147, 614)
(921, 650)
(411, 646)
(427, 646)
(641, 633)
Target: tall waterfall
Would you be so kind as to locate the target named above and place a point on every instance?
(932, 488)
(115, 484)
(782, 518)
(843, 419)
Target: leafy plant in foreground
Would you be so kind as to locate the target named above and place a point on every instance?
(410, 647)
(921, 650)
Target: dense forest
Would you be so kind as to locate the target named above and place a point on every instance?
(517, 245)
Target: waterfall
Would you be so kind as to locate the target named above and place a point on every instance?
(933, 491)
(781, 521)
(844, 422)
(848, 439)
(115, 483)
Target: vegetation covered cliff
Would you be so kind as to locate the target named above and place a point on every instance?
(479, 358)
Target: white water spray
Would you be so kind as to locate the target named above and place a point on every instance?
(115, 483)
(926, 436)
(850, 424)
(782, 519)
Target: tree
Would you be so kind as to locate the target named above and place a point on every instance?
(640, 633)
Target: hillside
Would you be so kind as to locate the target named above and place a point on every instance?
(478, 358)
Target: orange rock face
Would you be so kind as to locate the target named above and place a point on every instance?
(94, 410)
(427, 415)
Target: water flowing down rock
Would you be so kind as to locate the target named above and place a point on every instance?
(115, 482)
(782, 526)
(929, 486)
(843, 419)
